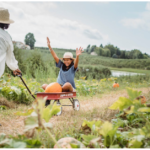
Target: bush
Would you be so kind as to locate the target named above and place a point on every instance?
(35, 62)
(19, 57)
(148, 68)
(93, 72)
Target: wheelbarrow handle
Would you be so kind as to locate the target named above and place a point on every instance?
(20, 75)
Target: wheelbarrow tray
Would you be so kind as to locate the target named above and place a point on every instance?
(56, 96)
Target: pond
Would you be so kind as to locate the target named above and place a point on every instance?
(124, 73)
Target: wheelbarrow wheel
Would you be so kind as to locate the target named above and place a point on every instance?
(76, 105)
(47, 102)
(59, 113)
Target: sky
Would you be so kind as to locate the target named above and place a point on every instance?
(74, 24)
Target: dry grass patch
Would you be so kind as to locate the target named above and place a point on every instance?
(12, 124)
(5, 102)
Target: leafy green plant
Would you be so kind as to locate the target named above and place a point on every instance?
(33, 126)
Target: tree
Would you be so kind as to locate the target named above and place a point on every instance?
(140, 56)
(88, 48)
(101, 46)
(118, 52)
(93, 48)
(30, 40)
(111, 48)
(123, 54)
(114, 56)
(98, 50)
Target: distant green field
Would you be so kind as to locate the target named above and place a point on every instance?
(129, 65)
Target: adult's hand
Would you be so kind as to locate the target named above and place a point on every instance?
(16, 72)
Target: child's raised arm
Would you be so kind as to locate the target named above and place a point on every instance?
(78, 52)
(52, 52)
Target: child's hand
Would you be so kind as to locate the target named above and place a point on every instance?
(48, 42)
(79, 51)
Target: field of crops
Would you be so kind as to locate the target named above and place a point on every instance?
(109, 117)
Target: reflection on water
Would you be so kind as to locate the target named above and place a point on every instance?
(123, 73)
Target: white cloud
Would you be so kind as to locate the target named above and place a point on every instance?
(142, 21)
(35, 18)
(135, 23)
(148, 6)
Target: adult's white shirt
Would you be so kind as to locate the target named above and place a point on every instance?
(6, 52)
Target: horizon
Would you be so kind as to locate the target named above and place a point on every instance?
(122, 24)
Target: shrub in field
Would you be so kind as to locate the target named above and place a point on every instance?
(148, 68)
(19, 57)
(34, 62)
(94, 72)
(14, 90)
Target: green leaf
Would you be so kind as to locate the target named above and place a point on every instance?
(106, 128)
(74, 145)
(49, 111)
(10, 143)
(27, 113)
(121, 104)
(134, 144)
(87, 139)
(133, 94)
(4, 141)
(93, 125)
(132, 108)
(2, 107)
(33, 143)
(119, 122)
(31, 122)
(139, 137)
(16, 144)
(17, 90)
(48, 125)
(144, 109)
(115, 146)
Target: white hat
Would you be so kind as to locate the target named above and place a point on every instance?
(4, 16)
(68, 55)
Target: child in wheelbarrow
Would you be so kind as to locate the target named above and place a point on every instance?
(68, 66)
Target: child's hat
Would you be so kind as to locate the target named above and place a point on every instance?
(68, 55)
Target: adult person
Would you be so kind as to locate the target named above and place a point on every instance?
(6, 45)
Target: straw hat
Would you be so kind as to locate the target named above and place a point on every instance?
(68, 55)
(4, 16)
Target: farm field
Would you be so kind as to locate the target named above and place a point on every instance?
(26, 123)
(74, 79)
(95, 96)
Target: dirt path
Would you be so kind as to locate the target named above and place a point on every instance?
(14, 125)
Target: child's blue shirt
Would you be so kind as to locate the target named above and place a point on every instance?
(66, 76)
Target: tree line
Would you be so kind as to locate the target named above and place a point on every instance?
(110, 50)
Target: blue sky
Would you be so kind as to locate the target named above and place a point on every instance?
(73, 24)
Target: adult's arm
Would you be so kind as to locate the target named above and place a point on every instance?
(52, 51)
(11, 61)
(3, 49)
